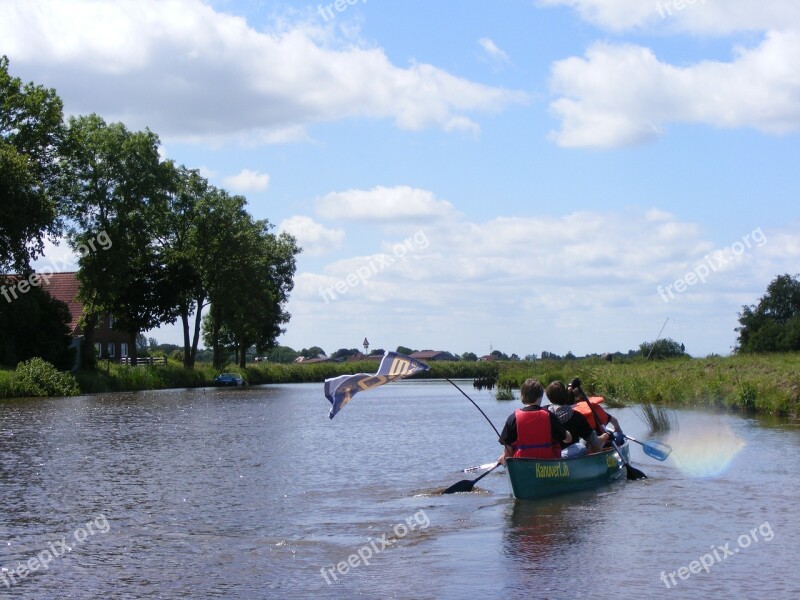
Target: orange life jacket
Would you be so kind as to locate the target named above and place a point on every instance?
(584, 409)
(534, 437)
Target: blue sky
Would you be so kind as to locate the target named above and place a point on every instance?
(519, 175)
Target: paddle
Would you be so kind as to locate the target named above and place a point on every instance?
(632, 472)
(657, 450)
(478, 467)
(466, 485)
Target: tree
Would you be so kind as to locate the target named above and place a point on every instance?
(252, 289)
(550, 355)
(282, 354)
(188, 233)
(312, 352)
(499, 355)
(30, 134)
(404, 350)
(660, 349)
(469, 357)
(773, 325)
(343, 353)
(114, 183)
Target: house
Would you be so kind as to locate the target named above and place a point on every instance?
(432, 355)
(110, 343)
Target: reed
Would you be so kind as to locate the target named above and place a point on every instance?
(657, 418)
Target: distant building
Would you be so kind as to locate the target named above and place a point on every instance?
(432, 355)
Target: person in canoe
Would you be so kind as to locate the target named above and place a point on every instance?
(578, 399)
(532, 431)
(574, 422)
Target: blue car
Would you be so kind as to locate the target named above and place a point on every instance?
(229, 380)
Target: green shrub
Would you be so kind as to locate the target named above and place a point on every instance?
(36, 377)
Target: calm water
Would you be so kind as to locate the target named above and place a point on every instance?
(250, 493)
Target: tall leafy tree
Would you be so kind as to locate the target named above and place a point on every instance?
(177, 236)
(114, 183)
(30, 133)
(251, 287)
(772, 325)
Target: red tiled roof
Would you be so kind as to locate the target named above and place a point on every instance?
(65, 287)
(61, 286)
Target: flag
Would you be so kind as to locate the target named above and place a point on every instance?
(339, 390)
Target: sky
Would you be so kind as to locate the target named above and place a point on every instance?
(468, 175)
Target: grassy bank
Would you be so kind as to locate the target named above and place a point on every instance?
(763, 384)
(122, 378)
(768, 384)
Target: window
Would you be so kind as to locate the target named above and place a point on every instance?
(111, 321)
(111, 350)
(98, 349)
(123, 350)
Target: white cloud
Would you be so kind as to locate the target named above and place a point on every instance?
(622, 94)
(586, 281)
(709, 17)
(314, 238)
(393, 204)
(190, 72)
(611, 14)
(491, 49)
(247, 181)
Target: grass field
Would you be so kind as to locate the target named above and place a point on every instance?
(768, 384)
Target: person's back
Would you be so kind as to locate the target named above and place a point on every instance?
(594, 412)
(532, 432)
(573, 421)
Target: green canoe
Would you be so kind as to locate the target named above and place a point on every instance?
(533, 478)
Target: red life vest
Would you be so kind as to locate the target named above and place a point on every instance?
(584, 409)
(534, 438)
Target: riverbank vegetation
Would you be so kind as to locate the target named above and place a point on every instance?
(767, 384)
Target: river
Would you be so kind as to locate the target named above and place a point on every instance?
(254, 493)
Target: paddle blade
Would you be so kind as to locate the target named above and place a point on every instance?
(634, 473)
(465, 485)
(657, 450)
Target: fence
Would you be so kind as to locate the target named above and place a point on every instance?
(145, 361)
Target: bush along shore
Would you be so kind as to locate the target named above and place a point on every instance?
(766, 384)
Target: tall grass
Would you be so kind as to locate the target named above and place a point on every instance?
(767, 384)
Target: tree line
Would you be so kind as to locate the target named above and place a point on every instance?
(179, 248)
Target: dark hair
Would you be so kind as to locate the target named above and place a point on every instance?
(531, 391)
(557, 393)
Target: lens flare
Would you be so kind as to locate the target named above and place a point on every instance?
(705, 450)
